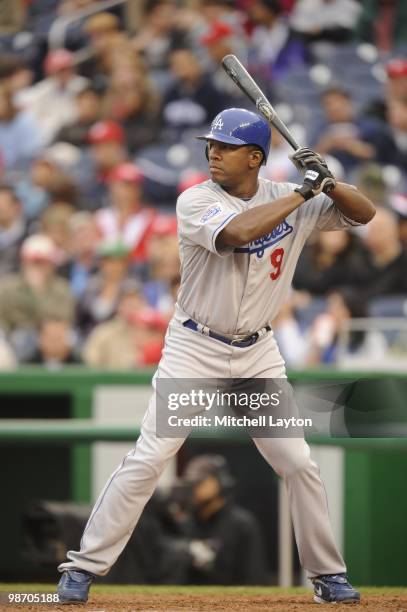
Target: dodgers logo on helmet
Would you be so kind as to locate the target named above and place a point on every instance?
(217, 123)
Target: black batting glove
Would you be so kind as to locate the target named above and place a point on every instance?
(317, 179)
(303, 157)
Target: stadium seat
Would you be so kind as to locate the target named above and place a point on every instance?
(391, 306)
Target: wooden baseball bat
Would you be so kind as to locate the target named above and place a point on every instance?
(242, 78)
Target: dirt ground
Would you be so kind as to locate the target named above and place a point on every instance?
(229, 603)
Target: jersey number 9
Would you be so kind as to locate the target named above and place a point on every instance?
(276, 259)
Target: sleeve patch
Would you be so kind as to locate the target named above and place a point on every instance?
(212, 211)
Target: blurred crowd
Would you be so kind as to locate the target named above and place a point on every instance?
(98, 116)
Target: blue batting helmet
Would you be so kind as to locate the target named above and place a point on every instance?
(238, 126)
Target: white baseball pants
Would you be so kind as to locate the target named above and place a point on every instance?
(188, 354)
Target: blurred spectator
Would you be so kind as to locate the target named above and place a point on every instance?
(13, 229)
(289, 335)
(44, 13)
(14, 73)
(126, 219)
(389, 259)
(342, 133)
(134, 337)
(279, 166)
(107, 150)
(132, 100)
(329, 20)
(118, 50)
(108, 144)
(123, 56)
(220, 40)
(383, 23)
(399, 205)
(100, 299)
(390, 140)
(47, 182)
(99, 26)
(88, 110)
(148, 333)
(395, 87)
(67, 10)
(74, 37)
(52, 100)
(397, 78)
(369, 178)
(225, 540)
(55, 224)
(273, 48)
(63, 189)
(332, 260)
(101, 29)
(32, 295)
(193, 99)
(55, 344)
(12, 16)
(34, 190)
(83, 239)
(343, 304)
(224, 11)
(63, 156)
(40, 16)
(20, 137)
(157, 33)
(163, 267)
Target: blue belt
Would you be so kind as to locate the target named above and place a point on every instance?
(248, 341)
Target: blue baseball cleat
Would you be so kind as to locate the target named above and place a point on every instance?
(74, 587)
(334, 588)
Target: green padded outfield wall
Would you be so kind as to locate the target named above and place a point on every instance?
(376, 516)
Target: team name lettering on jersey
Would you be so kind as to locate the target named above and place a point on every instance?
(261, 244)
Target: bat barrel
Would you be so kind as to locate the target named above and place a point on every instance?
(238, 73)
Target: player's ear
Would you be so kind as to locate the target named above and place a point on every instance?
(255, 158)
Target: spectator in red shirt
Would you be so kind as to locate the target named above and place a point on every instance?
(127, 218)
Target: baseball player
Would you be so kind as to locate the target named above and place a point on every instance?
(240, 237)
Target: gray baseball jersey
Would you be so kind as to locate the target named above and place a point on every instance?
(240, 290)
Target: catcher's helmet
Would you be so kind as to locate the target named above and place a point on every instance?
(238, 126)
(202, 466)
